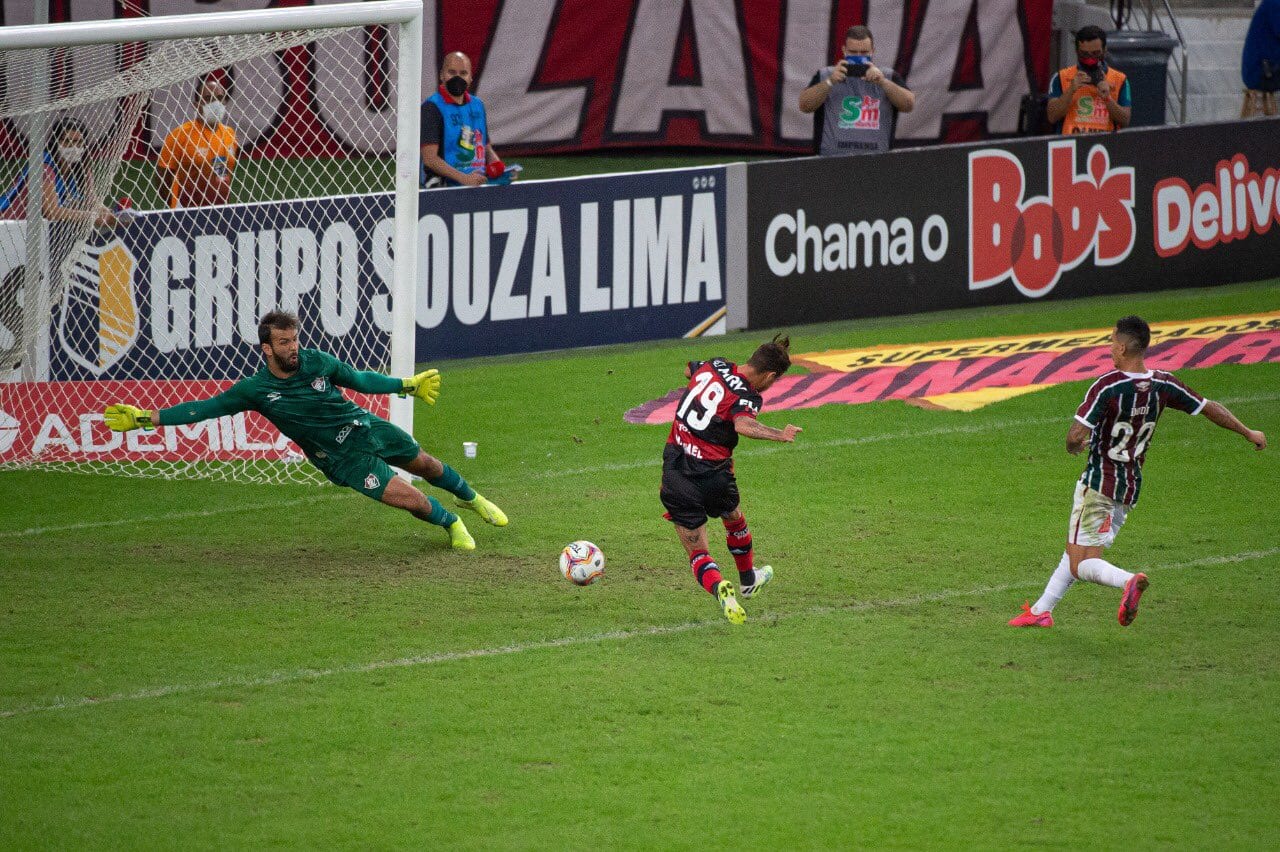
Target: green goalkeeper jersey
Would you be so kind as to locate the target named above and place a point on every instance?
(307, 406)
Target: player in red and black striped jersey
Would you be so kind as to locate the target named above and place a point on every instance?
(1116, 422)
(720, 404)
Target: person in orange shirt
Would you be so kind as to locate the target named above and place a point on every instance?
(1090, 97)
(198, 157)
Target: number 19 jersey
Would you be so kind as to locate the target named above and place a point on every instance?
(1122, 410)
(717, 395)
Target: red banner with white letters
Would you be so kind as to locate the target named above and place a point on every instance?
(575, 75)
(65, 424)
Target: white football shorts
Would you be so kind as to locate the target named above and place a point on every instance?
(1095, 519)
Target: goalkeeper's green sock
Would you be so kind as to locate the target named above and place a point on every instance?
(450, 480)
(440, 516)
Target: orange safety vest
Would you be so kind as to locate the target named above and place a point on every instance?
(1088, 111)
(192, 150)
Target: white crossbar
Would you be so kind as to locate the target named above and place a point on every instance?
(76, 33)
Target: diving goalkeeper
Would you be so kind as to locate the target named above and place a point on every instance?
(297, 390)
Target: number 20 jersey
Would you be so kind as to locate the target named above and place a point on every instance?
(717, 395)
(1122, 410)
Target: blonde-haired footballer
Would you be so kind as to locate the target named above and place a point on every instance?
(1116, 421)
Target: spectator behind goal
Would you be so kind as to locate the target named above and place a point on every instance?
(198, 158)
(68, 181)
(454, 137)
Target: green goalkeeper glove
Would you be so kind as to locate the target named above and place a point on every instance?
(123, 418)
(425, 386)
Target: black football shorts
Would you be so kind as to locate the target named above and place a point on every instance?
(693, 490)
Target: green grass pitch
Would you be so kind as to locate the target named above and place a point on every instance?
(211, 665)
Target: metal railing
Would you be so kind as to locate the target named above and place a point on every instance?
(1158, 15)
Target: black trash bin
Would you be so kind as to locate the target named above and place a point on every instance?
(1144, 58)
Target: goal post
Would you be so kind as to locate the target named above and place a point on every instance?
(143, 229)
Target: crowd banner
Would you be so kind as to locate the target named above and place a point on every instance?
(995, 223)
(583, 76)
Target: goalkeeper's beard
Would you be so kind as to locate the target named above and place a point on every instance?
(288, 363)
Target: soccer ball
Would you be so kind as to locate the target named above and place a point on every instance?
(582, 563)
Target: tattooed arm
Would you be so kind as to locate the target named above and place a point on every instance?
(753, 428)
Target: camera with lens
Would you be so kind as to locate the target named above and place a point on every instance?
(1095, 73)
(856, 66)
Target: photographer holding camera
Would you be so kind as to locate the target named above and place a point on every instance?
(1089, 97)
(856, 104)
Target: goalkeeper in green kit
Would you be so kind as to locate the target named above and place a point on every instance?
(297, 390)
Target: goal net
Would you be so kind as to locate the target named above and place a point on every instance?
(163, 183)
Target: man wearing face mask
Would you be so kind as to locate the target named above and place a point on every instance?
(198, 158)
(71, 205)
(69, 196)
(455, 131)
(1090, 97)
(856, 104)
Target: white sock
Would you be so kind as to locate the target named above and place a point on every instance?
(1103, 573)
(1056, 588)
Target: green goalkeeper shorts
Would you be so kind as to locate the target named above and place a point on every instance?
(363, 462)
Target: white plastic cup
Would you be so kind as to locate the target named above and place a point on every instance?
(469, 449)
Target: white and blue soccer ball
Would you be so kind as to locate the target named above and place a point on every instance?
(582, 563)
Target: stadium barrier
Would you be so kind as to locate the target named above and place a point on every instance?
(546, 265)
(996, 223)
(577, 262)
(631, 257)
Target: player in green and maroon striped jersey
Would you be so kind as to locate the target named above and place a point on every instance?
(1116, 421)
(297, 390)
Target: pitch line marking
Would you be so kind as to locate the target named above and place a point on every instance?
(307, 674)
(964, 429)
(834, 442)
(539, 474)
(856, 440)
(30, 532)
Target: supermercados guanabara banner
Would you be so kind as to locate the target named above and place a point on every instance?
(983, 224)
(964, 375)
(568, 76)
